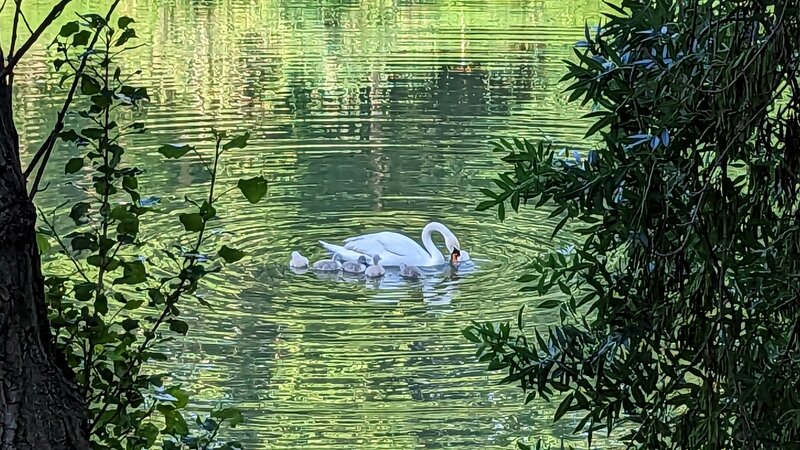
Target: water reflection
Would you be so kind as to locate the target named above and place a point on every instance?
(364, 115)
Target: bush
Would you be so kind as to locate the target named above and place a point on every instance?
(679, 320)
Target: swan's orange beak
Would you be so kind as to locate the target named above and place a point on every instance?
(454, 256)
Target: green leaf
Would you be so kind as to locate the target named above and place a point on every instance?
(83, 241)
(254, 189)
(84, 291)
(174, 151)
(133, 273)
(81, 38)
(230, 255)
(78, 212)
(232, 415)
(237, 142)
(129, 324)
(133, 304)
(191, 221)
(149, 432)
(123, 22)
(207, 211)
(174, 423)
(180, 394)
(89, 86)
(69, 136)
(549, 304)
(563, 407)
(126, 35)
(101, 304)
(483, 206)
(179, 326)
(42, 243)
(73, 165)
(69, 29)
(467, 332)
(92, 133)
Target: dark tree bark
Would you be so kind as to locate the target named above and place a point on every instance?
(40, 404)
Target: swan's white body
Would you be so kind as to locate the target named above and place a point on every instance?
(395, 249)
(298, 261)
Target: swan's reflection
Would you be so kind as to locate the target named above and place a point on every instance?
(438, 286)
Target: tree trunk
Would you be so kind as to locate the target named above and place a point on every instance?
(40, 404)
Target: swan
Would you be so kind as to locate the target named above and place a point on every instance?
(298, 261)
(375, 270)
(409, 272)
(355, 267)
(328, 265)
(395, 248)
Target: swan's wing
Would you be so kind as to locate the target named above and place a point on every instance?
(386, 244)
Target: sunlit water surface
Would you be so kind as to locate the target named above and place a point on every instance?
(365, 116)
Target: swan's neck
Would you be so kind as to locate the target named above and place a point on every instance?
(427, 240)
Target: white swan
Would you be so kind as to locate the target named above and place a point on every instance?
(395, 248)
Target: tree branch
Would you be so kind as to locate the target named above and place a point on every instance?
(46, 22)
(17, 10)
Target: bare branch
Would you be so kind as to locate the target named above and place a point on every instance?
(46, 22)
(2, 53)
(17, 10)
(25, 20)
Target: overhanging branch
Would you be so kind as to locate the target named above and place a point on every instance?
(15, 57)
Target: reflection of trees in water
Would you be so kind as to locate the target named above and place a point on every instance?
(388, 133)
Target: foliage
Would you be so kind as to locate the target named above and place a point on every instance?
(679, 320)
(109, 315)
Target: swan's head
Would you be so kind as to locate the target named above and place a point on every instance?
(452, 244)
(454, 255)
(376, 259)
(296, 254)
(362, 260)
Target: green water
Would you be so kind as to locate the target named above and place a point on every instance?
(365, 116)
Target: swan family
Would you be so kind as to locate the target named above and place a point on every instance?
(395, 249)
(387, 249)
